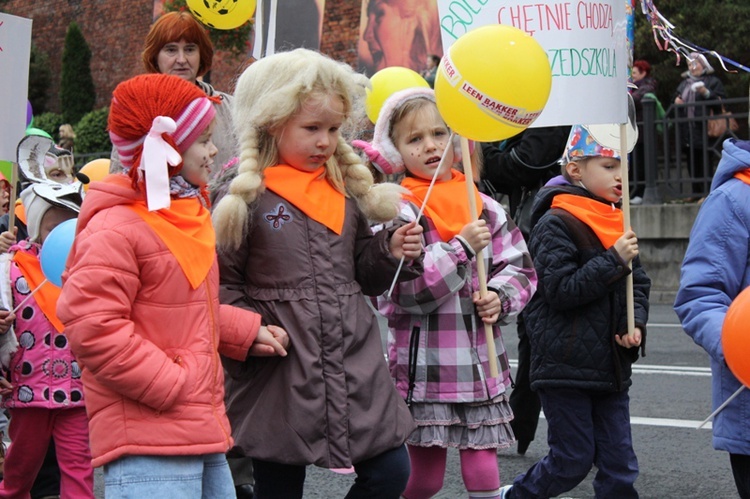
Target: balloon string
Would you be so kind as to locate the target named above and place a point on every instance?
(721, 407)
(23, 302)
(421, 209)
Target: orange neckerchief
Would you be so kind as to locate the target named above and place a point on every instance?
(743, 175)
(47, 296)
(605, 221)
(310, 192)
(20, 211)
(186, 229)
(447, 206)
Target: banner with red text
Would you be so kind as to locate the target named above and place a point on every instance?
(586, 42)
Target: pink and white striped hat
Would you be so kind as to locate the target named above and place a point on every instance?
(190, 125)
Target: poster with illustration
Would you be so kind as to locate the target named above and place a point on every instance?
(15, 49)
(585, 41)
(281, 25)
(398, 33)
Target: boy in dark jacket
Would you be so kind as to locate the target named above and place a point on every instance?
(581, 352)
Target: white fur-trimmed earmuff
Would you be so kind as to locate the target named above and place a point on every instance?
(382, 152)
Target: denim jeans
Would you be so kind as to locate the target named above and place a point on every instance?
(159, 477)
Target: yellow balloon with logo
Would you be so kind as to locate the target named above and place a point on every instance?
(385, 83)
(492, 83)
(222, 14)
(95, 170)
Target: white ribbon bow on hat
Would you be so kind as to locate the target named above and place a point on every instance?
(156, 154)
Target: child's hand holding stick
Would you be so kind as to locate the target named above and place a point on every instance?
(481, 272)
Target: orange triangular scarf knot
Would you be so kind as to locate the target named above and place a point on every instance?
(186, 229)
(743, 175)
(47, 296)
(20, 211)
(310, 192)
(447, 206)
(605, 220)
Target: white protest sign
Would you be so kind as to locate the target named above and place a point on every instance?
(15, 48)
(585, 42)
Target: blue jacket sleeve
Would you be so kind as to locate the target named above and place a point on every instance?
(713, 270)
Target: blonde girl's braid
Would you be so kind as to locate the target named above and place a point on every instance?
(379, 203)
(231, 215)
(268, 93)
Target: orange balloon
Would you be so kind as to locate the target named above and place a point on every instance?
(95, 170)
(735, 337)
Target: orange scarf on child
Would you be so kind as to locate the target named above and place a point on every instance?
(310, 192)
(20, 211)
(605, 220)
(47, 296)
(743, 175)
(446, 207)
(186, 229)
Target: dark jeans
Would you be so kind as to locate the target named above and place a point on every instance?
(585, 428)
(381, 477)
(741, 471)
(524, 402)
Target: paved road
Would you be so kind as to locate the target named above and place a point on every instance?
(669, 398)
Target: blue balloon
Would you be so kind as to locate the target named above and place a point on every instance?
(55, 251)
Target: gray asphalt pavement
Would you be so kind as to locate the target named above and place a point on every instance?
(669, 398)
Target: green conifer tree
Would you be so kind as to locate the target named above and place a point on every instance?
(40, 77)
(77, 94)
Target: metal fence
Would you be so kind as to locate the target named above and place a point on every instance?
(82, 159)
(675, 157)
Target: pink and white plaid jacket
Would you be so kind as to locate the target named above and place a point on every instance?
(436, 315)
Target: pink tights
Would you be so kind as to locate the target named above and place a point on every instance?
(478, 468)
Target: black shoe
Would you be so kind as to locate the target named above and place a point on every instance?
(523, 446)
(244, 491)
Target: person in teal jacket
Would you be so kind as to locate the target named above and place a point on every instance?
(715, 270)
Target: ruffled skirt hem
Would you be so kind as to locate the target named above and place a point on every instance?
(484, 425)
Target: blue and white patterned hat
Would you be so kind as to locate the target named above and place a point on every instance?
(590, 141)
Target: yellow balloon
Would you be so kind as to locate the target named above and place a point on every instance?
(492, 83)
(385, 83)
(222, 14)
(95, 170)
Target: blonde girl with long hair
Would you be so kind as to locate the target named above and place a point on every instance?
(293, 231)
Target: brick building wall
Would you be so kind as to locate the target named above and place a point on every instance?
(115, 30)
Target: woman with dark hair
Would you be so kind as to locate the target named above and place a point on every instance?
(644, 84)
(429, 73)
(179, 45)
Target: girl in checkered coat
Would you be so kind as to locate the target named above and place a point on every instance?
(437, 348)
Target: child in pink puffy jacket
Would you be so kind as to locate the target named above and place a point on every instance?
(46, 396)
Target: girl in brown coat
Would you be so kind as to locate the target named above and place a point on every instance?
(296, 247)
